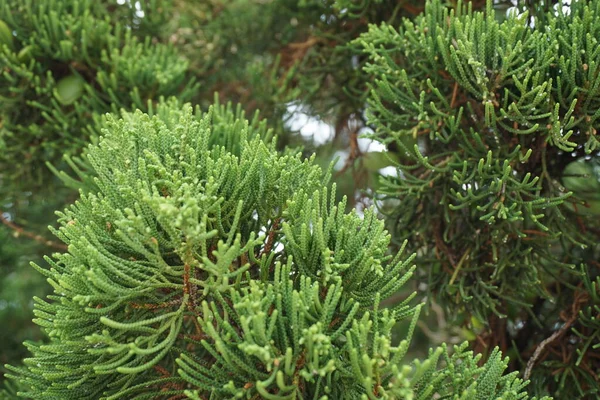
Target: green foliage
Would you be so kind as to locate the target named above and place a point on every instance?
(62, 65)
(18, 282)
(205, 264)
(19, 285)
(487, 117)
(67, 63)
(267, 54)
(200, 263)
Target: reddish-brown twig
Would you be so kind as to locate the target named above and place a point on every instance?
(38, 238)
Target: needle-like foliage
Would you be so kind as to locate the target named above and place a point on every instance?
(63, 64)
(495, 125)
(204, 264)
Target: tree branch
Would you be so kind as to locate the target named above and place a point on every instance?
(38, 238)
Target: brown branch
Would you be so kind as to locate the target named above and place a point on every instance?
(545, 343)
(271, 237)
(580, 298)
(38, 238)
(454, 93)
(294, 52)
(154, 306)
(354, 153)
(188, 288)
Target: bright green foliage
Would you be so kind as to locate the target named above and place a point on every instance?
(487, 117)
(66, 63)
(207, 265)
(474, 382)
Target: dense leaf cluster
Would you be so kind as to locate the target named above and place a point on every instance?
(487, 118)
(207, 264)
(64, 63)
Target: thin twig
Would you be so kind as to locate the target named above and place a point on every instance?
(38, 238)
(543, 344)
(355, 153)
(579, 299)
(454, 93)
(271, 237)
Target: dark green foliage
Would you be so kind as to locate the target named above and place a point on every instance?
(27, 241)
(66, 63)
(487, 118)
(267, 54)
(205, 264)
(19, 285)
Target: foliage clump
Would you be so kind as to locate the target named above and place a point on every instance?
(495, 124)
(204, 263)
(65, 63)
